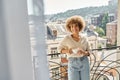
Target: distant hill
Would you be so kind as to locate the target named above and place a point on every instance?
(83, 12)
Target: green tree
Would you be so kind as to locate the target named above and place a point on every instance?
(104, 22)
(100, 31)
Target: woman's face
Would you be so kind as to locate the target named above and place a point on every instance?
(74, 29)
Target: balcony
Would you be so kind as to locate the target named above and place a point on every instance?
(103, 65)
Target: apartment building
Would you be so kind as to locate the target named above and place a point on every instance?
(111, 32)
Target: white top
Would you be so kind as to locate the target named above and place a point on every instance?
(68, 42)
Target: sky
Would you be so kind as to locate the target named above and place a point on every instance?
(57, 6)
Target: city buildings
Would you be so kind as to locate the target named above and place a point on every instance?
(96, 20)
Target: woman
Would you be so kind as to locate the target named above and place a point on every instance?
(77, 49)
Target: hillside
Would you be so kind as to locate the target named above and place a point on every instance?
(83, 12)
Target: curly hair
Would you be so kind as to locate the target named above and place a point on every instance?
(75, 20)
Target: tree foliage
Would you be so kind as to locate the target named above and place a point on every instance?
(100, 31)
(104, 22)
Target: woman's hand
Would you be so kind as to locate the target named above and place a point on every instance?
(70, 51)
(86, 53)
(82, 52)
